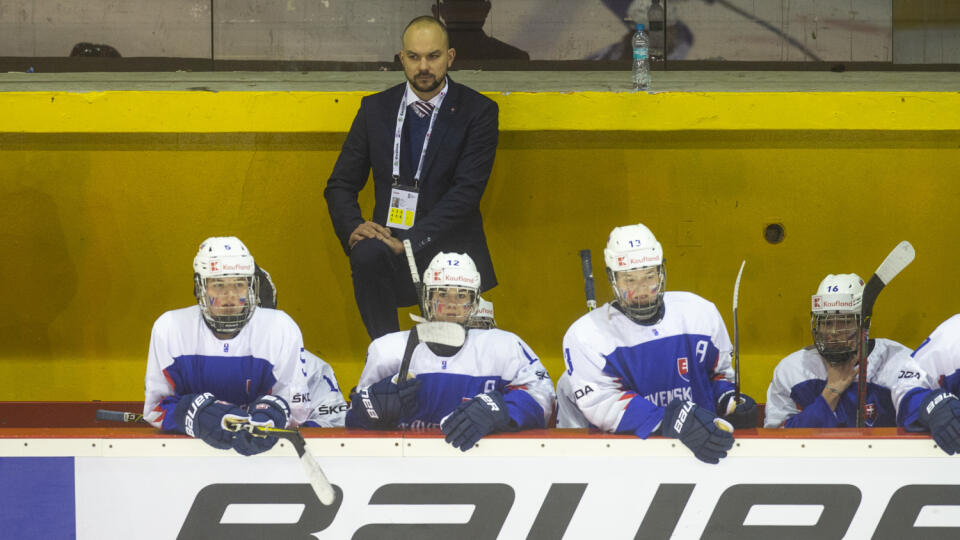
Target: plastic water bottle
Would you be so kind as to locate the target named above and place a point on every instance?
(641, 64)
(655, 19)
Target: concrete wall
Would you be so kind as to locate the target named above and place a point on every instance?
(348, 30)
(106, 197)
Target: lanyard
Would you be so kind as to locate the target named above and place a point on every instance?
(401, 114)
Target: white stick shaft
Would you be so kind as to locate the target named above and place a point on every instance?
(411, 262)
(318, 481)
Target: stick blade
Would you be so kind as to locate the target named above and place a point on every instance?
(897, 260)
(736, 285)
(442, 333)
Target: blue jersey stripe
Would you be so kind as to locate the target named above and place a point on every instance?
(806, 394)
(441, 393)
(237, 379)
(668, 368)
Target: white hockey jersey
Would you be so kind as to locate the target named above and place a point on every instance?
(327, 406)
(489, 360)
(939, 356)
(185, 357)
(620, 375)
(894, 391)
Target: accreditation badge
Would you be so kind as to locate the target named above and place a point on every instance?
(403, 207)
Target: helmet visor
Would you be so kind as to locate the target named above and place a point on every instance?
(227, 302)
(450, 304)
(639, 291)
(836, 335)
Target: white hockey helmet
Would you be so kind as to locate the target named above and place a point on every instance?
(483, 317)
(631, 248)
(451, 271)
(835, 316)
(225, 257)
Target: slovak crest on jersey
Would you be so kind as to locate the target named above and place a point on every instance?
(683, 368)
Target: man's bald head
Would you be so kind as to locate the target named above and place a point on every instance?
(428, 23)
(426, 56)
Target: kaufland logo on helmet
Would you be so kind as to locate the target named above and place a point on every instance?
(837, 304)
(630, 260)
(217, 266)
(455, 278)
(819, 302)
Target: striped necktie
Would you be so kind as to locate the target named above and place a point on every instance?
(422, 108)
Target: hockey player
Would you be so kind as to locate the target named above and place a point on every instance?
(651, 362)
(224, 360)
(327, 406)
(816, 386)
(939, 360)
(494, 382)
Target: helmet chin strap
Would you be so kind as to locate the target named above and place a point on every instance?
(836, 359)
(218, 333)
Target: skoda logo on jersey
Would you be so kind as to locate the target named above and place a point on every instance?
(683, 368)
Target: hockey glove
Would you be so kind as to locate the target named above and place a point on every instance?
(203, 416)
(940, 412)
(473, 419)
(743, 416)
(383, 404)
(268, 411)
(696, 428)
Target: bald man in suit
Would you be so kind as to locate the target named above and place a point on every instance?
(430, 143)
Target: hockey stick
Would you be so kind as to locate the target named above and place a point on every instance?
(120, 416)
(414, 275)
(445, 337)
(445, 334)
(736, 336)
(413, 338)
(318, 480)
(586, 263)
(896, 261)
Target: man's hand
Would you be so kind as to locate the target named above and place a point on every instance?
(370, 229)
(473, 419)
(698, 429)
(839, 378)
(940, 412)
(394, 243)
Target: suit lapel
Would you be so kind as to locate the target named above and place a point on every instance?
(448, 110)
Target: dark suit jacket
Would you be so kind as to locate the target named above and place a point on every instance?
(456, 168)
